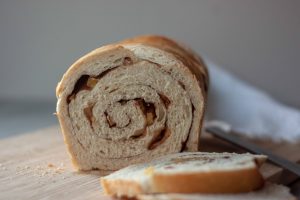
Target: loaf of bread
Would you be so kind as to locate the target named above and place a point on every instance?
(132, 101)
(189, 172)
(269, 192)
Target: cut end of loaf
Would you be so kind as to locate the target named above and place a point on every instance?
(131, 102)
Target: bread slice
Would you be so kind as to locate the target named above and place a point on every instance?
(196, 172)
(132, 101)
(269, 192)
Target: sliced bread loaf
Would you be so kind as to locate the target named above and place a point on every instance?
(132, 101)
(195, 172)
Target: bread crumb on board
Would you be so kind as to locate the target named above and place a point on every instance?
(50, 165)
(2, 167)
(41, 170)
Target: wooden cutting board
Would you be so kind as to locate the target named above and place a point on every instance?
(36, 166)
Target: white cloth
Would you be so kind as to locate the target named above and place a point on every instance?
(248, 109)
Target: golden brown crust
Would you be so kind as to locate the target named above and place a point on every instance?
(237, 181)
(222, 182)
(122, 186)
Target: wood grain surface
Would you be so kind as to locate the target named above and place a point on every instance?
(36, 166)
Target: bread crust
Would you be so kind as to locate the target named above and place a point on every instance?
(115, 187)
(192, 172)
(217, 182)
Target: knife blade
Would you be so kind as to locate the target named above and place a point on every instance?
(277, 160)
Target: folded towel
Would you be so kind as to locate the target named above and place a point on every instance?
(247, 109)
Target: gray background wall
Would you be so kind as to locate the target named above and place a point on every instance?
(257, 40)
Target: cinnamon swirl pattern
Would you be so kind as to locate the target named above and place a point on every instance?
(132, 101)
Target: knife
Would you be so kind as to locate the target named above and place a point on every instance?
(277, 160)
